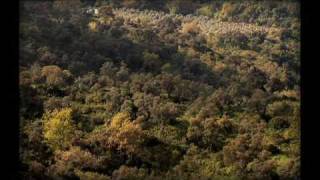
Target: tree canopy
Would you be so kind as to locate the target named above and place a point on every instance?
(160, 89)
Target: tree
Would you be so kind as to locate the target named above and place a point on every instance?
(84, 175)
(179, 6)
(162, 111)
(120, 134)
(123, 73)
(106, 11)
(125, 172)
(143, 102)
(190, 27)
(128, 135)
(151, 63)
(59, 129)
(211, 133)
(108, 69)
(69, 162)
(35, 73)
(55, 76)
(47, 57)
(283, 114)
(258, 102)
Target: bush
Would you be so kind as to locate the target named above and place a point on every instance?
(206, 11)
(190, 27)
(233, 40)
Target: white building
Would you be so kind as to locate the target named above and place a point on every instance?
(96, 11)
(92, 11)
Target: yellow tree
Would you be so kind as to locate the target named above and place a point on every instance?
(58, 128)
(126, 134)
(121, 134)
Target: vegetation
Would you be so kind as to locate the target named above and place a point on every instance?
(160, 89)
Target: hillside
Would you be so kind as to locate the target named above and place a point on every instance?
(160, 90)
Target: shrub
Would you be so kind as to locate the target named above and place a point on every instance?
(190, 27)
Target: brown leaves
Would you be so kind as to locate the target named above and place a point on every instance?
(190, 27)
(54, 75)
(74, 158)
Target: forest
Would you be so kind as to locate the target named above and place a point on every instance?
(159, 90)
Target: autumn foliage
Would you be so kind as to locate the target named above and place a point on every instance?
(159, 90)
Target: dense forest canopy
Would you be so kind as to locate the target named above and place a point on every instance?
(159, 89)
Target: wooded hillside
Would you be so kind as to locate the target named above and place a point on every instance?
(160, 90)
